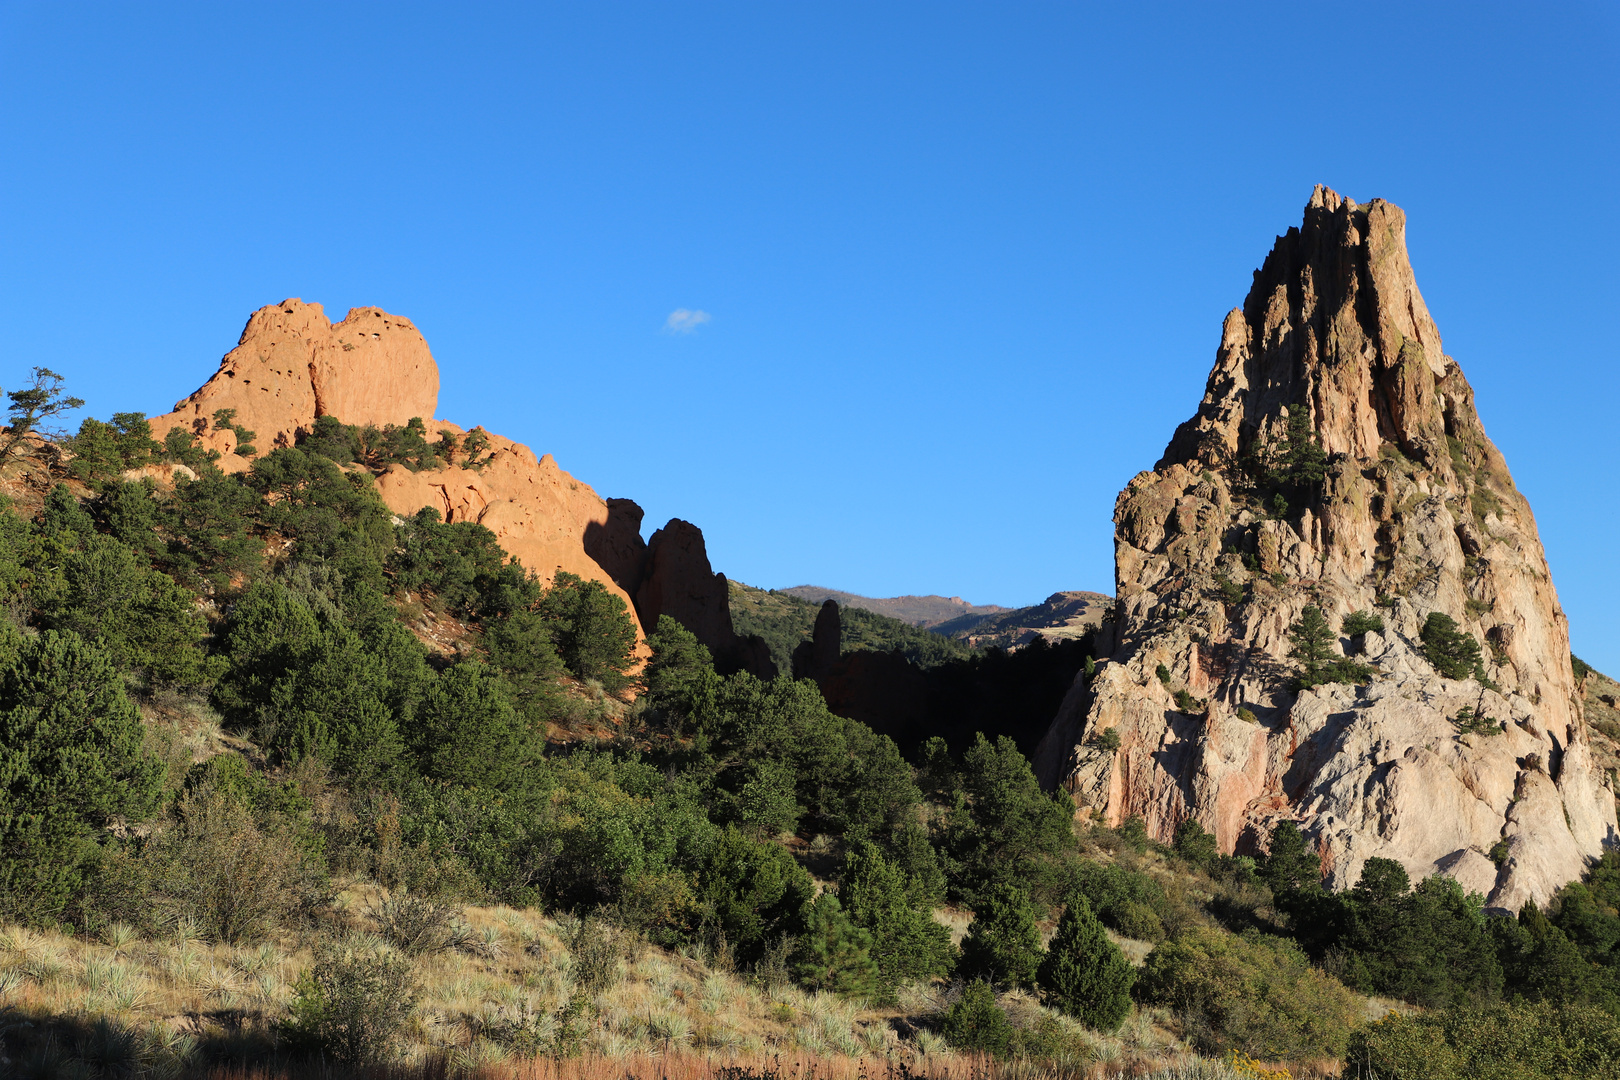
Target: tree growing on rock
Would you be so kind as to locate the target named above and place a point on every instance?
(1453, 652)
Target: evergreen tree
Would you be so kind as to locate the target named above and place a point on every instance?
(1195, 845)
(1453, 652)
(833, 954)
(908, 945)
(765, 806)
(681, 669)
(1002, 827)
(466, 731)
(1003, 945)
(39, 401)
(1084, 973)
(1303, 459)
(71, 760)
(1313, 641)
(519, 647)
(140, 616)
(591, 628)
(976, 1023)
(1289, 862)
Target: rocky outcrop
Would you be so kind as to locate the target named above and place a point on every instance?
(1416, 513)
(540, 514)
(292, 365)
(678, 581)
(882, 690)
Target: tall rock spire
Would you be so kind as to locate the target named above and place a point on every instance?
(1220, 548)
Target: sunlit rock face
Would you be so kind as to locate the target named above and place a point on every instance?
(1417, 514)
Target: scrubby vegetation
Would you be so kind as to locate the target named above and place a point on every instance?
(287, 781)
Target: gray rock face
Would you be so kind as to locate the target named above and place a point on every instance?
(1416, 510)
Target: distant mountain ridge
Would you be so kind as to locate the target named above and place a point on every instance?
(1061, 616)
(924, 611)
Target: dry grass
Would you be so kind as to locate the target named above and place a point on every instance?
(180, 1006)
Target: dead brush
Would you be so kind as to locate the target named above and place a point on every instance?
(417, 926)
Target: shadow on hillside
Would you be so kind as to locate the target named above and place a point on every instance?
(227, 1044)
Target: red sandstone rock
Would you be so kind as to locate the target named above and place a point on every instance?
(292, 364)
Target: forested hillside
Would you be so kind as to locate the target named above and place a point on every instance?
(258, 712)
(785, 620)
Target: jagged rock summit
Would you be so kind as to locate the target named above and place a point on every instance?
(1415, 513)
(292, 366)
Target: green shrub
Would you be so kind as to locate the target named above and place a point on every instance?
(1163, 673)
(242, 875)
(1107, 740)
(1581, 668)
(1110, 889)
(1003, 945)
(1246, 714)
(1518, 1041)
(1231, 592)
(1361, 622)
(976, 1023)
(1084, 973)
(598, 950)
(354, 1005)
(1251, 993)
(1135, 919)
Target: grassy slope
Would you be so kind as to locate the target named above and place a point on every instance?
(168, 1005)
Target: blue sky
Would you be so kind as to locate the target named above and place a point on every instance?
(963, 268)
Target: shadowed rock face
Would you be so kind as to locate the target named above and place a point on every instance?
(678, 581)
(1417, 508)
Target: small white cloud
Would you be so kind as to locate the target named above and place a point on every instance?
(684, 321)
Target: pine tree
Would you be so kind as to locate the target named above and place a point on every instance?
(834, 954)
(1313, 642)
(591, 628)
(1003, 945)
(908, 945)
(1289, 862)
(1453, 652)
(1084, 973)
(70, 760)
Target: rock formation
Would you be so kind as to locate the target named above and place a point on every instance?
(678, 581)
(292, 365)
(1416, 514)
